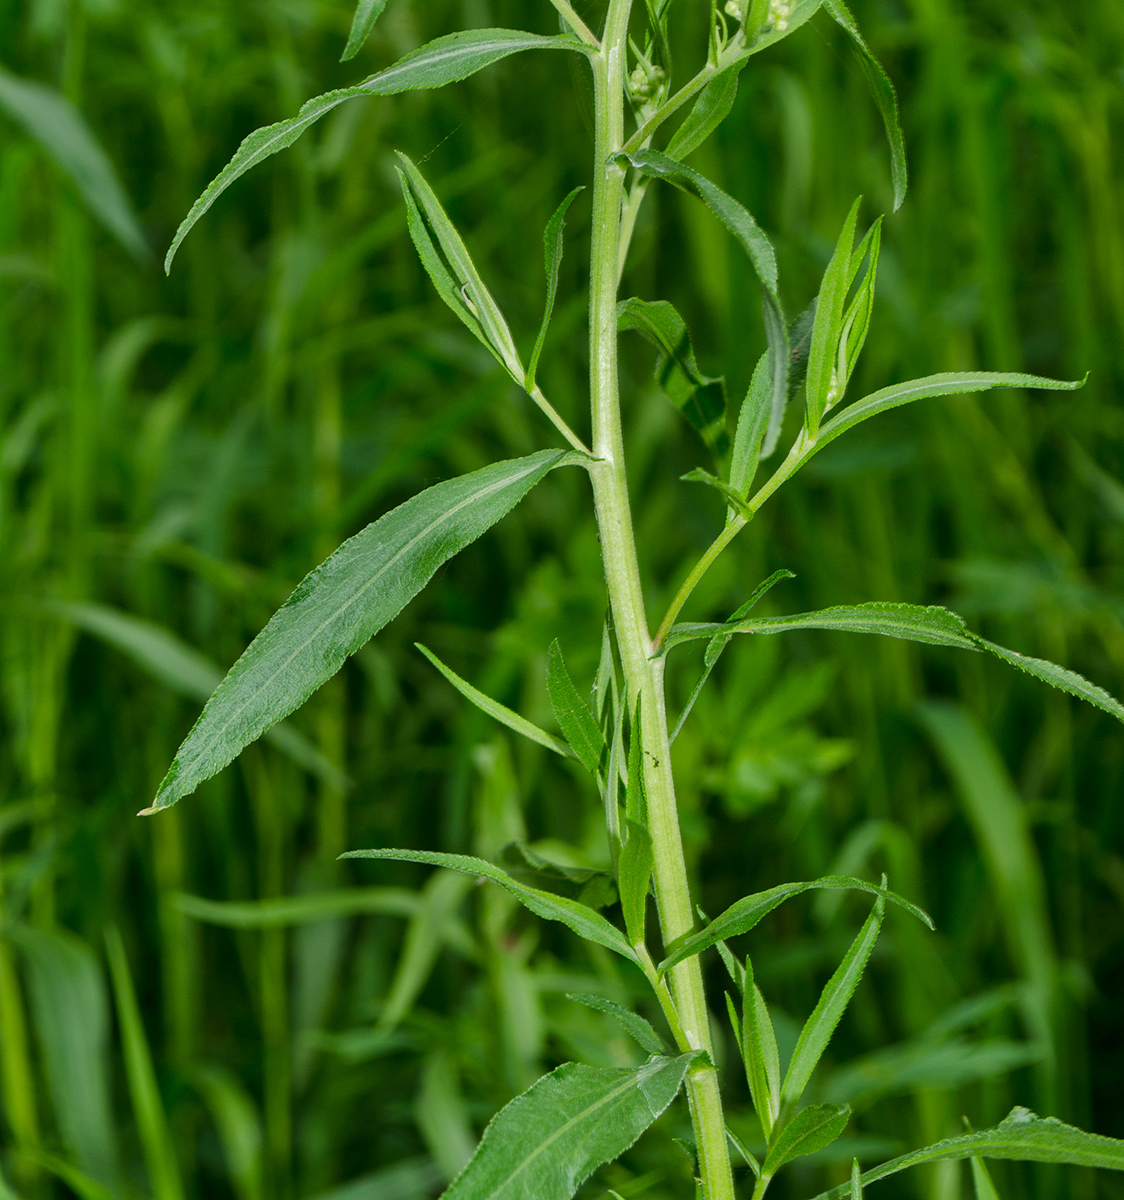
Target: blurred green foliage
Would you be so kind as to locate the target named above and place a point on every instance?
(183, 450)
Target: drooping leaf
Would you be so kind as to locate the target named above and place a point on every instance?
(760, 1053)
(632, 1023)
(62, 131)
(1021, 1136)
(1058, 677)
(833, 1001)
(367, 12)
(822, 381)
(183, 669)
(341, 605)
(700, 399)
(577, 723)
(445, 60)
(497, 711)
(810, 1130)
(582, 920)
(743, 915)
(709, 111)
(552, 257)
(761, 254)
(548, 1141)
(884, 96)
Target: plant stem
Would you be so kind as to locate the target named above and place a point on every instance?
(643, 675)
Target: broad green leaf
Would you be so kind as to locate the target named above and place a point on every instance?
(884, 96)
(700, 399)
(632, 1023)
(743, 915)
(931, 625)
(552, 257)
(821, 382)
(761, 254)
(61, 130)
(239, 1128)
(367, 12)
(634, 870)
(720, 641)
(148, 1107)
(298, 910)
(467, 281)
(759, 1053)
(833, 1001)
(548, 1141)
(753, 424)
(735, 502)
(710, 109)
(577, 723)
(183, 669)
(810, 1130)
(1021, 1136)
(582, 920)
(445, 60)
(497, 711)
(340, 606)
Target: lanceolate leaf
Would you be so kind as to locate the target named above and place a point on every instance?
(810, 1130)
(759, 1051)
(912, 623)
(548, 1141)
(634, 870)
(632, 1023)
(710, 110)
(573, 714)
(743, 915)
(444, 60)
(828, 324)
(884, 96)
(761, 254)
(340, 606)
(367, 12)
(753, 424)
(498, 711)
(699, 398)
(552, 257)
(582, 920)
(1021, 1136)
(836, 995)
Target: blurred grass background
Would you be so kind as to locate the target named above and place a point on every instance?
(192, 1006)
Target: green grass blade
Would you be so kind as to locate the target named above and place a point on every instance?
(61, 130)
(341, 605)
(821, 382)
(445, 60)
(239, 1127)
(548, 1141)
(1021, 1136)
(298, 910)
(367, 12)
(632, 1023)
(582, 920)
(884, 96)
(577, 722)
(701, 399)
(552, 257)
(837, 993)
(810, 1130)
(745, 914)
(414, 1179)
(981, 1180)
(148, 1107)
(497, 711)
(84, 1186)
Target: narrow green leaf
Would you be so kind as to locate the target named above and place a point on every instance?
(84, 1186)
(468, 283)
(700, 399)
(709, 111)
(856, 323)
(582, 920)
(547, 1142)
(856, 1180)
(739, 1145)
(753, 424)
(759, 1053)
(61, 130)
(1021, 1136)
(577, 723)
(810, 1130)
(735, 1022)
(239, 1128)
(298, 910)
(735, 502)
(981, 1179)
(743, 915)
(183, 669)
(634, 872)
(367, 12)
(761, 254)
(445, 60)
(720, 641)
(413, 1179)
(1058, 677)
(836, 995)
(884, 96)
(148, 1107)
(632, 1023)
(821, 384)
(636, 800)
(341, 605)
(497, 711)
(552, 257)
